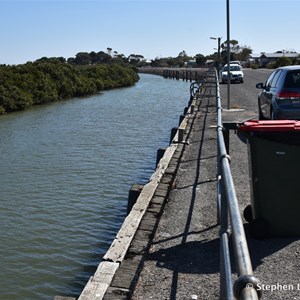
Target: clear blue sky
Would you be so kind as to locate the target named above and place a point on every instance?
(153, 28)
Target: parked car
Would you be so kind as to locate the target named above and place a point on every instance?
(236, 73)
(237, 62)
(234, 62)
(280, 95)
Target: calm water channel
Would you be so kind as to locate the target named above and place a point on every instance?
(65, 172)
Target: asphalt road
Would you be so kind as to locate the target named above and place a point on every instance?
(244, 95)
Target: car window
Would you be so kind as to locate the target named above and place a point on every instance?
(274, 81)
(235, 68)
(270, 78)
(232, 68)
(292, 79)
(268, 82)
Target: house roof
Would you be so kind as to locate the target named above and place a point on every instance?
(275, 55)
(255, 55)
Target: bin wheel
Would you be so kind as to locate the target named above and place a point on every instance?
(248, 213)
(259, 228)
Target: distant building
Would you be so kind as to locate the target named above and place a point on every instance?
(263, 58)
(191, 63)
(210, 62)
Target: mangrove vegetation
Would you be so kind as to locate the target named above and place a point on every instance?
(53, 79)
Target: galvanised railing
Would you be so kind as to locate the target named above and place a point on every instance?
(246, 285)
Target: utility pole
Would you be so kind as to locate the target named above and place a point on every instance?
(228, 56)
(219, 54)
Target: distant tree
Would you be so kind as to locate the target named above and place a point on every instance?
(70, 60)
(234, 45)
(200, 59)
(237, 52)
(283, 61)
(82, 58)
(160, 62)
(296, 60)
(136, 59)
(171, 62)
(120, 59)
(94, 57)
(182, 54)
(244, 53)
(103, 57)
(224, 56)
(51, 59)
(109, 50)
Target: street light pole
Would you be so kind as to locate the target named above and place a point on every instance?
(219, 56)
(228, 55)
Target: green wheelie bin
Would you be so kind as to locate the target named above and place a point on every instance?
(274, 173)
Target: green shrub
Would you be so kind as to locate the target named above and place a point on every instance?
(271, 65)
(254, 66)
(283, 61)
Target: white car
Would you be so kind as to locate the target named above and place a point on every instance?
(236, 73)
(235, 62)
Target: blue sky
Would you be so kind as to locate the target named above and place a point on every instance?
(31, 29)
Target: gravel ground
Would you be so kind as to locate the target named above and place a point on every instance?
(183, 260)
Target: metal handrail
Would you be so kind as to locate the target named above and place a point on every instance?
(246, 286)
(196, 86)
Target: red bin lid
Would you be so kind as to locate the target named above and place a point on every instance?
(270, 126)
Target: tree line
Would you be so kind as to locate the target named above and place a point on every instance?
(238, 52)
(52, 79)
(101, 57)
(56, 78)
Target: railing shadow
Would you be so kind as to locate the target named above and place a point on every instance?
(188, 257)
(191, 257)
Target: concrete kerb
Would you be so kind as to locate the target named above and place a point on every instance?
(144, 214)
